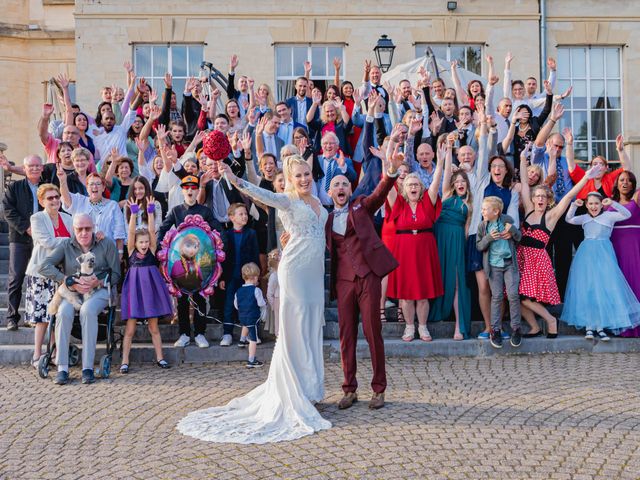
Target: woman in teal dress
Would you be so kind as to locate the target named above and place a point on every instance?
(451, 236)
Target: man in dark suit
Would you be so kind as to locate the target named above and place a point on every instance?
(20, 202)
(241, 95)
(287, 124)
(215, 193)
(267, 129)
(359, 261)
(300, 103)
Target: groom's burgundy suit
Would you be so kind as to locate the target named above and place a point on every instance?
(359, 261)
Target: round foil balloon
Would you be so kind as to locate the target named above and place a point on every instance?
(191, 257)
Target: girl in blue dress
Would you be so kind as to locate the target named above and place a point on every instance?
(598, 295)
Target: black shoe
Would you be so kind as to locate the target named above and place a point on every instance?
(163, 364)
(243, 343)
(516, 338)
(12, 326)
(496, 339)
(87, 376)
(255, 364)
(62, 378)
(532, 335)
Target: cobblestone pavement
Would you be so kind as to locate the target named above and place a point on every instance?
(537, 417)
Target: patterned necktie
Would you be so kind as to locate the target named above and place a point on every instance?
(329, 174)
(560, 190)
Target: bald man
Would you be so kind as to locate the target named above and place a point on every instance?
(359, 261)
(61, 266)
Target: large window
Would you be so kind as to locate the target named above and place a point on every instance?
(594, 109)
(469, 57)
(153, 61)
(290, 65)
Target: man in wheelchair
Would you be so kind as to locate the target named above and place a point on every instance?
(62, 266)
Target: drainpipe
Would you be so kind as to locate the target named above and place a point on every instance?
(543, 40)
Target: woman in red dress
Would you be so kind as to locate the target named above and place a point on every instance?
(387, 235)
(418, 277)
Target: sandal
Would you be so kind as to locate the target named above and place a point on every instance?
(383, 314)
(409, 333)
(124, 368)
(400, 316)
(458, 336)
(425, 336)
(163, 364)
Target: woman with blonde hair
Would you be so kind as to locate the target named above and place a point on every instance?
(282, 408)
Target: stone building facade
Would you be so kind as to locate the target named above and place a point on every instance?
(597, 45)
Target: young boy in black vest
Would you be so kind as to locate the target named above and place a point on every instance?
(249, 302)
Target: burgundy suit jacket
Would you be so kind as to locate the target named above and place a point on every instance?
(379, 259)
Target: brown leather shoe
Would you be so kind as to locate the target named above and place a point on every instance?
(349, 399)
(377, 401)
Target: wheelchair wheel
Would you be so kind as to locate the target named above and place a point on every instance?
(74, 355)
(105, 366)
(43, 366)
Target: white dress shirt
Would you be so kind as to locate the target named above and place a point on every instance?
(107, 216)
(340, 220)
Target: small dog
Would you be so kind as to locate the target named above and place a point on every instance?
(87, 263)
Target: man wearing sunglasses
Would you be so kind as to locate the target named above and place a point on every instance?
(62, 266)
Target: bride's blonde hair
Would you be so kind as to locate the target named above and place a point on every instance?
(288, 164)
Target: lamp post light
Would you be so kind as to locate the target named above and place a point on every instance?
(384, 52)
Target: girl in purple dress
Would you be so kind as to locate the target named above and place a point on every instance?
(144, 293)
(626, 235)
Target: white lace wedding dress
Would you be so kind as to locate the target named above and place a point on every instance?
(281, 408)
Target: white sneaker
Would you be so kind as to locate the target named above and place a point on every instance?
(227, 340)
(183, 341)
(201, 341)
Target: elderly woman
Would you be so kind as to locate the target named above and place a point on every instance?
(48, 228)
(118, 179)
(76, 180)
(106, 214)
(418, 277)
(333, 118)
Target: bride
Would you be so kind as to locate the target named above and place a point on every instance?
(281, 408)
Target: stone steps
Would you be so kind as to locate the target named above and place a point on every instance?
(144, 353)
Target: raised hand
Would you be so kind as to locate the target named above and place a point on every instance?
(377, 153)
(595, 171)
(215, 94)
(416, 125)
(233, 63)
(551, 63)
(168, 80)
(233, 140)
(246, 141)
(341, 160)
(579, 202)
(367, 66)
(557, 111)
(261, 124)
(493, 80)
(619, 142)
(397, 157)
(47, 110)
(454, 64)
(63, 80)
(607, 202)
(197, 137)
(316, 96)
(155, 113)
(547, 87)
(357, 98)
(307, 67)
(508, 59)
(127, 66)
(204, 102)
(190, 84)
(252, 116)
(142, 144)
(142, 85)
(568, 135)
(489, 59)
(153, 97)
(435, 122)
(337, 63)
(567, 92)
(161, 132)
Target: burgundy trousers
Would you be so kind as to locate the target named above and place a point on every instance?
(361, 296)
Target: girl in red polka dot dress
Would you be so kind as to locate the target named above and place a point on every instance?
(537, 280)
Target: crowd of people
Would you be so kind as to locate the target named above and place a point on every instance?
(489, 199)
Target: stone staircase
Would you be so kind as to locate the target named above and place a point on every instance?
(17, 347)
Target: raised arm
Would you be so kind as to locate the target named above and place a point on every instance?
(463, 98)
(43, 123)
(152, 217)
(231, 87)
(625, 162)
(154, 115)
(556, 113)
(65, 196)
(276, 200)
(556, 212)
(134, 208)
(525, 190)
(63, 80)
(621, 213)
(506, 86)
(437, 175)
(568, 149)
(337, 63)
(316, 97)
(448, 173)
(252, 175)
(165, 115)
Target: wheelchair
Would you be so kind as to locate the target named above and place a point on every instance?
(106, 320)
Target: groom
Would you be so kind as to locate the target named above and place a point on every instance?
(359, 261)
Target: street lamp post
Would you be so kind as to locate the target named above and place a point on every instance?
(384, 52)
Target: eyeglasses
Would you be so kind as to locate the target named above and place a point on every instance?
(189, 187)
(94, 184)
(52, 197)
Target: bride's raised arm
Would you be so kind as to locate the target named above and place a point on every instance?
(280, 201)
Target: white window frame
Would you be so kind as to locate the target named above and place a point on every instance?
(568, 118)
(420, 49)
(158, 82)
(309, 46)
